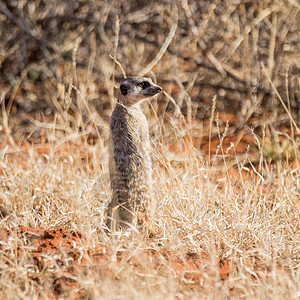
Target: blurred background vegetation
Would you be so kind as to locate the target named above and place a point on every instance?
(63, 57)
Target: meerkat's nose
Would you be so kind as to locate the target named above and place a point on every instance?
(159, 89)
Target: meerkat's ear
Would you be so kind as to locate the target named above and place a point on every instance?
(124, 89)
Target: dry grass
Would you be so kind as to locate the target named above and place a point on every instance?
(218, 205)
(251, 221)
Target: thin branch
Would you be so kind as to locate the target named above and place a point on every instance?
(165, 45)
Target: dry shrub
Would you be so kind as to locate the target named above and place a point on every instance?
(218, 48)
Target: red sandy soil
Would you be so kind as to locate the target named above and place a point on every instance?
(35, 244)
(40, 244)
(40, 247)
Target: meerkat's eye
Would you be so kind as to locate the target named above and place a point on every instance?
(144, 84)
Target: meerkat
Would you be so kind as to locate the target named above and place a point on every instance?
(129, 157)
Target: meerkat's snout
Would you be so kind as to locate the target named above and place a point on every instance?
(152, 90)
(159, 89)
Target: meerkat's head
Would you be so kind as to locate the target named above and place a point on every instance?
(134, 90)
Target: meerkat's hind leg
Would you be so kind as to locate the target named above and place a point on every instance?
(119, 217)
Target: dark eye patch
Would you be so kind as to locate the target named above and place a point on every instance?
(144, 84)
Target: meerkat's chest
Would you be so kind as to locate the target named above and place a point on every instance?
(137, 124)
(129, 130)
